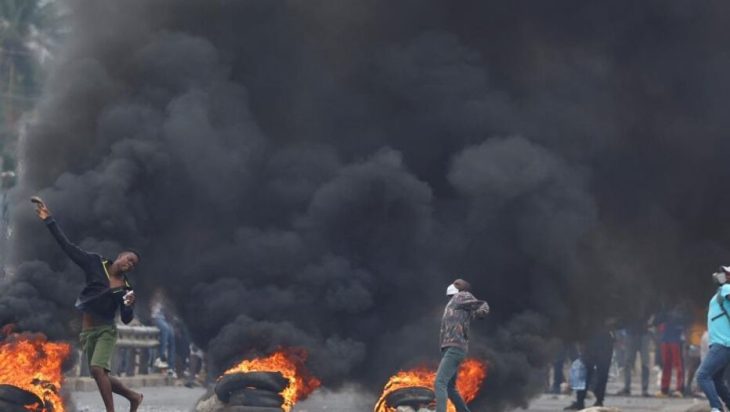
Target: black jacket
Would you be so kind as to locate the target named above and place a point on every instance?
(97, 298)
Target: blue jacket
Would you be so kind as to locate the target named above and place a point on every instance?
(674, 326)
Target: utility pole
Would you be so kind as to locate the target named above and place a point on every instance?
(7, 181)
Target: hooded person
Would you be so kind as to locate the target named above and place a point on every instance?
(461, 309)
(712, 370)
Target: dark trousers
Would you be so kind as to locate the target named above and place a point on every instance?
(597, 366)
(558, 375)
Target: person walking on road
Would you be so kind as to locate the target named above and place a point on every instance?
(461, 309)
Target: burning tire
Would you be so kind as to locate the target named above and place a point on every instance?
(6, 406)
(13, 395)
(267, 381)
(414, 397)
(256, 397)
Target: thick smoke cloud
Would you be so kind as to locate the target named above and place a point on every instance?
(315, 173)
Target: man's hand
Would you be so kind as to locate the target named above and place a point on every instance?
(129, 298)
(482, 311)
(40, 208)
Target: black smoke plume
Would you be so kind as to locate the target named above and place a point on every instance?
(314, 173)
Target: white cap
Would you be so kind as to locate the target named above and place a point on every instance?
(451, 290)
(725, 268)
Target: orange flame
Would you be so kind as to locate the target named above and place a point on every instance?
(30, 362)
(469, 381)
(290, 363)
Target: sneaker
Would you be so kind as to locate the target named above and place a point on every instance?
(624, 392)
(662, 395)
(573, 407)
(172, 374)
(676, 394)
(598, 404)
(646, 394)
(160, 364)
(715, 410)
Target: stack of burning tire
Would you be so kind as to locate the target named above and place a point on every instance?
(14, 399)
(252, 391)
(411, 399)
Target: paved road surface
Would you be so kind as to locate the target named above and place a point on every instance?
(176, 399)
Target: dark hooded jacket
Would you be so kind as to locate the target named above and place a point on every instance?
(97, 297)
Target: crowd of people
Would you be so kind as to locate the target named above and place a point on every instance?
(683, 342)
(671, 342)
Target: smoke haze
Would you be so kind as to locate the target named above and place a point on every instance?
(315, 173)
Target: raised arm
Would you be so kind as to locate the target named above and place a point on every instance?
(482, 311)
(467, 301)
(79, 256)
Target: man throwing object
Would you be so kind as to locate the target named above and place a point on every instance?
(107, 290)
(461, 309)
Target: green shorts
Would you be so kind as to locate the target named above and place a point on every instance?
(98, 344)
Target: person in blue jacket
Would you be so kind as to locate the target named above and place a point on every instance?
(710, 376)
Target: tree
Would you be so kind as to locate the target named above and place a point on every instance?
(28, 29)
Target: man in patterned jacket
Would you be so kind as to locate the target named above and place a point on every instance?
(461, 309)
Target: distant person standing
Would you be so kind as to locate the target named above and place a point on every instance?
(596, 355)
(673, 323)
(694, 350)
(461, 309)
(567, 352)
(637, 341)
(712, 370)
(166, 356)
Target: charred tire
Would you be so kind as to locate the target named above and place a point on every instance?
(270, 381)
(414, 396)
(6, 406)
(13, 394)
(239, 408)
(256, 397)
